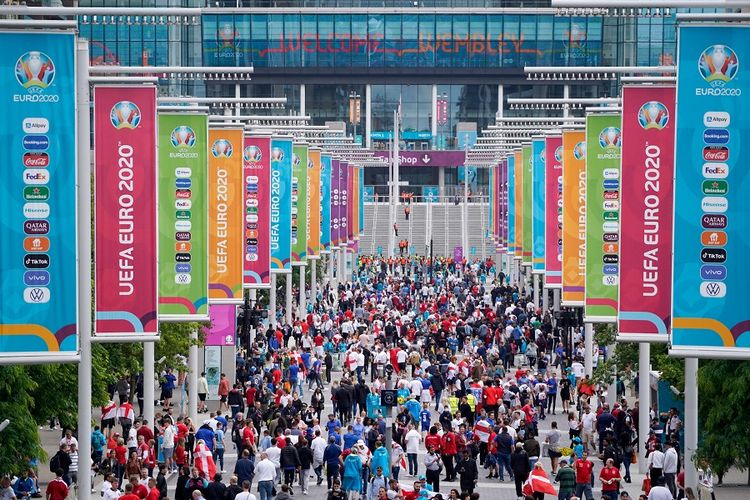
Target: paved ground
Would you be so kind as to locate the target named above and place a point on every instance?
(735, 487)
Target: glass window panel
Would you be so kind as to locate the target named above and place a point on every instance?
(494, 40)
(561, 42)
(376, 33)
(511, 33)
(359, 34)
(443, 40)
(259, 32)
(410, 40)
(309, 34)
(343, 46)
(477, 47)
(392, 45)
(461, 42)
(426, 41)
(578, 41)
(326, 35)
(527, 40)
(244, 40)
(292, 39)
(276, 40)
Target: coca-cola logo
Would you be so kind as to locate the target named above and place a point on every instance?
(713, 153)
(35, 160)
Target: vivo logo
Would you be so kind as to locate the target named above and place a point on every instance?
(183, 268)
(715, 273)
(713, 289)
(714, 204)
(716, 136)
(716, 119)
(36, 278)
(610, 269)
(35, 125)
(715, 170)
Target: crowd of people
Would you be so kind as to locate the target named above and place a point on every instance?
(444, 373)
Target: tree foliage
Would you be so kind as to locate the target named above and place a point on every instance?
(724, 392)
(20, 440)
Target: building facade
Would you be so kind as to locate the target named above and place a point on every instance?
(448, 63)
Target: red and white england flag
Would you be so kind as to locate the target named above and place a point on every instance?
(126, 411)
(538, 482)
(109, 411)
(204, 460)
(482, 431)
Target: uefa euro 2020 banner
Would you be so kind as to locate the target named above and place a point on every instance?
(503, 209)
(299, 204)
(520, 205)
(511, 190)
(574, 218)
(183, 216)
(256, 161)
(538, 160)
(225, 216)
(281, 205)
(125, 210)
(313, 203)
(553, 213)
(344, 205)
(711, 282)
(648, 128)
(325, 202)
(361, 200)
(38, 289)
(604, 143)
(527, 167)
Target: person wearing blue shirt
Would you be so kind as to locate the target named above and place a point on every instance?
(350, 438)
(425, 418)
(359, 428)
(332, 423)
(206, 433)
(373, 403)
(98, 441)
(551, 394)
(221, 419)
(294, 378)
(331, 458)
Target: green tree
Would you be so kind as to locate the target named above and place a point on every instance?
(20, 440)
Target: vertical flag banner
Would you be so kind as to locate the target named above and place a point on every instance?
(648, 128)
(256, 167)
(519, 211)
(223, 325)
(354, 202)
(313, 206)
(344, 206)
(539, 158)
(710, 304)
(38, 308)
(335, 203)
(503, 213)
(510, 188)
(299, 204)
(604, 142)
(574, 218)
(183, 216)
(490, 213)
(281, 205)
(361, 199)
(225, 216)
(125, 210)
(527, 167)
(553, 213)
(325, 202)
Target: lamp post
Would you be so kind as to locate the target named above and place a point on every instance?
(355, 111)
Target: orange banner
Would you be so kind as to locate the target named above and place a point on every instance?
(225, 200)
(313, 198)
(518, 187)
(574, 218)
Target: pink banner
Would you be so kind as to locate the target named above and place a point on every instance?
(553, 213)
(344, 208)
(256, 164)
(648, 142)
(125, 209)
(223, 325)
(504, 205)
(350, 205)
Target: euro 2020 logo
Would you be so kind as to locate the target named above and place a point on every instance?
(125, 115)
(222, 148)
(718, 65)
(252, 154)
(277, 154)
(558, 154)
(543, 156)
(35, 71)
(310, 163)
(183, 137)
(296, 160)
(579, 151)
(610, 138)
(653, 115)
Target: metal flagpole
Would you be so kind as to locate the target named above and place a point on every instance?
(84, 268)
(644, 401)
(302, 305)
(272, 301)
(289, 297)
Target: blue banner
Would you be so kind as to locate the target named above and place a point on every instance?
(709, 307)
(38, 289)
(511, 204)
(281, 205)
(369, 194)
(325, 201)
(538, 159)
(431, 193)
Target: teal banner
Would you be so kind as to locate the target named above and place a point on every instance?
(538, 159)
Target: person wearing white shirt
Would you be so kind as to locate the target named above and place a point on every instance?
(265, 473)
(412, 438)
(670, 468)
(589, 426)
(656, 464)
(318, 447)
(415, 386)
(660, 492)
(274, 455)
(112, 492)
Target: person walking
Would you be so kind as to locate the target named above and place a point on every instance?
(265, 472)
(566, 478)
(584, 468)
(519, 464)
(433, 468)
(467, 469)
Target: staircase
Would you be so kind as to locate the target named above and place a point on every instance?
(443, 220)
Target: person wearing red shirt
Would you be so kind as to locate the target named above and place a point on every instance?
(432, 439)
(414, 494)
(583, 468)
(610, 478)
(139, 490)
(449, 449)
(153, 491)
(145, 431)
(129, 495)
(248, 437)
(182, 429)
(250, 396)
(57, 489)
